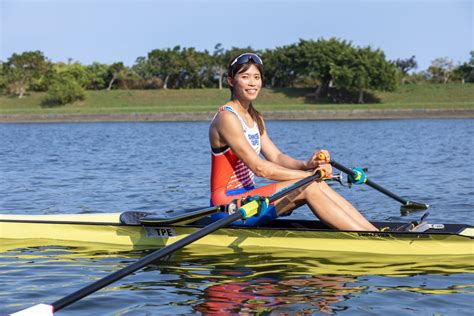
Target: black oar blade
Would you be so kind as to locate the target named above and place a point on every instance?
(411, 206)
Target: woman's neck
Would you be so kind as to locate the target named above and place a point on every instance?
(244, 106)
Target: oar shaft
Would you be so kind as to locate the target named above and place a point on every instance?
(370, 183)
(73, 297)
(279, 194)
(386, 192)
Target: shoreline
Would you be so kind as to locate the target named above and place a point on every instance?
(366, 114)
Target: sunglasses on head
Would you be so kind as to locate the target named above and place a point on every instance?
(245, 58)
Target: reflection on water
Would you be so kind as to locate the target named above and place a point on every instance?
(307, 293)
(225, 281)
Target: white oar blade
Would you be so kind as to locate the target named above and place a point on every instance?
(37, 310)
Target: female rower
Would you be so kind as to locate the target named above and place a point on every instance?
(238, 136)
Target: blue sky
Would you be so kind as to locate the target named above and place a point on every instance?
(122, 30)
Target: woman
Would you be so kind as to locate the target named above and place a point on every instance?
(238, 136)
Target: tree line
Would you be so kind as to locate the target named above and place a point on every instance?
(323, 65)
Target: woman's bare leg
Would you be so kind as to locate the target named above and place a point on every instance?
(326, 204)
(346, 206)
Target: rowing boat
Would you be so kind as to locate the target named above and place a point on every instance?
(140, 230)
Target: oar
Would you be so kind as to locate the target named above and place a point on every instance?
(407, 206)
(170, 217)
(246, 211)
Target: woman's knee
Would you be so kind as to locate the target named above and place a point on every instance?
(315, 188)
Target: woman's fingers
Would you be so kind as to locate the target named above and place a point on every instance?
(326, 170)
(318, 158)
(323, 156)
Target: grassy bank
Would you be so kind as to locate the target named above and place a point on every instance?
(207, 100)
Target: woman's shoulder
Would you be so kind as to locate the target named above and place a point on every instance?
(226, 108)
(225, 117)
(225, 120)
(225, 111)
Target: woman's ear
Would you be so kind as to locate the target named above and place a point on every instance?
(230, 81)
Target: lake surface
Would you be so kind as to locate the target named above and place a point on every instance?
(112, 167)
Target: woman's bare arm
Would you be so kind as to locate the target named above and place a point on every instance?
(227, 127)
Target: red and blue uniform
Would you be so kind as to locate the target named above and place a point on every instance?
(232, 179)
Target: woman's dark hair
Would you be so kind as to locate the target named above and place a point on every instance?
(238, 68)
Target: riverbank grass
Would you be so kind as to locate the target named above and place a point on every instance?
(427, 96)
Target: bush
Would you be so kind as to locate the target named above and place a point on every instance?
(62, 91)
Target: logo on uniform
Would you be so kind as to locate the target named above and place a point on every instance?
(254, 139)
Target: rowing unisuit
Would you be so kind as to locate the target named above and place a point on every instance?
(231, 178)
(229, 173)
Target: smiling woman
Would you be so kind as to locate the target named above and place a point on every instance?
(238, 136)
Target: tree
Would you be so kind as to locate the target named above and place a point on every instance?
(165, 64)
(406, 65)
(115, 71)
(142, 68)
(365, 69)
(195, 68)
(76, 71)
(315, 59)
(219, 63)
(465, 71)
(441, 69)
(97, 74)
(26, 69)
(64, 89)
(280, 66)
(3, 81)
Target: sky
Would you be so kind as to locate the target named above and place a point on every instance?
(108, 31)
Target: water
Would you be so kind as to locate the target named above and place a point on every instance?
(111, 167)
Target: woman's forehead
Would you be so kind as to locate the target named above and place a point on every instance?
(251, 70)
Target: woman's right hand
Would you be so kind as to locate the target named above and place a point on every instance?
(326, 171)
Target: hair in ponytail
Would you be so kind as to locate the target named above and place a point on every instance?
(257, 117)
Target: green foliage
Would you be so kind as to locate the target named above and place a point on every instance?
(280, 66)
(64, 89)
(405, 65)
(334, 69)
(27, 70)
(416, 78)
(441, 70)
(3, 79)
(315, 59)
(97, 74)
(465, 72)
(365, 69)
(76, 71)
(115, 72)
(336, 62)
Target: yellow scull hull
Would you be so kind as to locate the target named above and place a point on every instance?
(107, 229)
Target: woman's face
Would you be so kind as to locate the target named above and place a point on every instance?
(247, 84)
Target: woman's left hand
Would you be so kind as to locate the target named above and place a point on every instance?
(318, 158)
